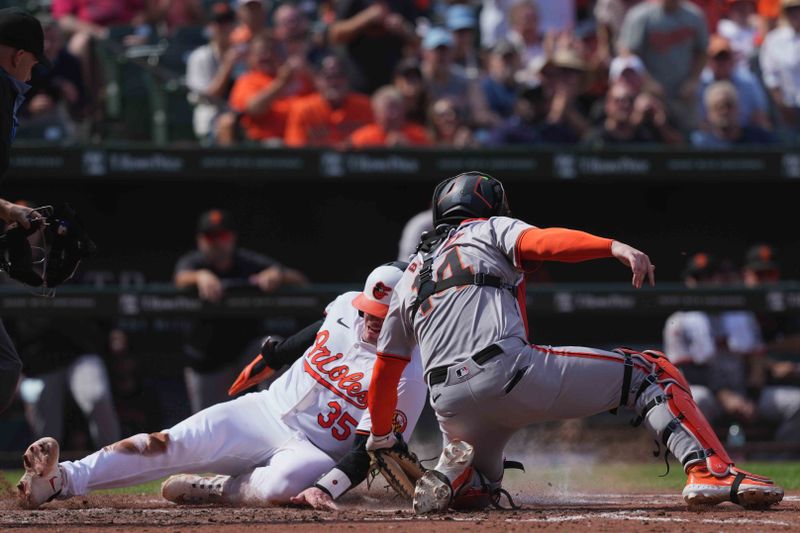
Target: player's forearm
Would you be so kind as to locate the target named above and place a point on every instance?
(219, 84)
(382, 395)
(186, 278)
(294, 277)
(349, 472)
(561, 244)
(261, 102)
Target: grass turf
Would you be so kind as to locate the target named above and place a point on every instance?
(622, 476)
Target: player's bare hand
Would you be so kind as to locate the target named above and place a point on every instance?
(638, 262)
(316, 498)
(269, 279)
(209, 286)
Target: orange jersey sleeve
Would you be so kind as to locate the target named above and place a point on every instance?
(561, 244)
(382, 394)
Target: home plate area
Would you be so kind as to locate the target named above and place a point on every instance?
(368, 511)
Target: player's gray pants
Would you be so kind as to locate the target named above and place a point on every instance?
(10, 368)
(486, 404)
(87, 381)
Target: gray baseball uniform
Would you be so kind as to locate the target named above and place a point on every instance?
(485, 401)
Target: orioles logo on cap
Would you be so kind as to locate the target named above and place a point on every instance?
(380, 291)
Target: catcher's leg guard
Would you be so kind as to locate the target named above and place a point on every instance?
(665, 405)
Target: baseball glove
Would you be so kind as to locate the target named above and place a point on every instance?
(400, 467)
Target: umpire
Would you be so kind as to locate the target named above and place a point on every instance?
(21, 47)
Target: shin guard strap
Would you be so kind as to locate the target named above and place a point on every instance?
(735, 487)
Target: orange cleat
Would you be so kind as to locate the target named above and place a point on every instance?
(740, 487)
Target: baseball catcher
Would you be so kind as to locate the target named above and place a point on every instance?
(461, 300)
(305, 436)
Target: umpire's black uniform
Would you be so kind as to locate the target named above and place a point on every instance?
(22, 31)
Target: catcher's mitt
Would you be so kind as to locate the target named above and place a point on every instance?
(400, 467)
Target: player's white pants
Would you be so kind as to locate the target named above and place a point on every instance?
(268, 461)
(486, 404)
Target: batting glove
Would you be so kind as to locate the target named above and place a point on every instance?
(380, 442)
(257, 371)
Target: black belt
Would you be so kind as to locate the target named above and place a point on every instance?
(439, 374)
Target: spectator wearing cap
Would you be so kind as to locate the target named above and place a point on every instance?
(722, 356)
(564, 78)
(724, 128)
(628, 121)
(57, 98)
(214, 347)
(444, 79)
(447, 129)
(631, 70)
(671, 38)
(253, 20)
(329, 116)
(390, 127)
(265, 92)
(408, 80)
(780, 66)
(753, 105)
(210, 69)
(739, 28)
(460, 19)
(374, 35)
(499, 85)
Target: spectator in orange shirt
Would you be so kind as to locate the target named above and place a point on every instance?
(264, 93)
(390, 127)
(328, 117)
(253, 15)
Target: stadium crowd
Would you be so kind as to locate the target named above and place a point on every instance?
(447, 73)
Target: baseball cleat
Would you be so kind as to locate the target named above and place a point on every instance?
(434, 491)
(43, 478)
(740, 487)
(190, 489)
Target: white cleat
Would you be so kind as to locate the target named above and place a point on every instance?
(43, 479)
(190, 489)
(434, 491)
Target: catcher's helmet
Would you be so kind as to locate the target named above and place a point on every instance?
(378, 289)
(469, 195)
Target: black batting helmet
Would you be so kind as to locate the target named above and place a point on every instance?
(469, 195)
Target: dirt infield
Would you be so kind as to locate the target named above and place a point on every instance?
(368, 511)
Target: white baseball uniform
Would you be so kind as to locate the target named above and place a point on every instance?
(273, 443)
